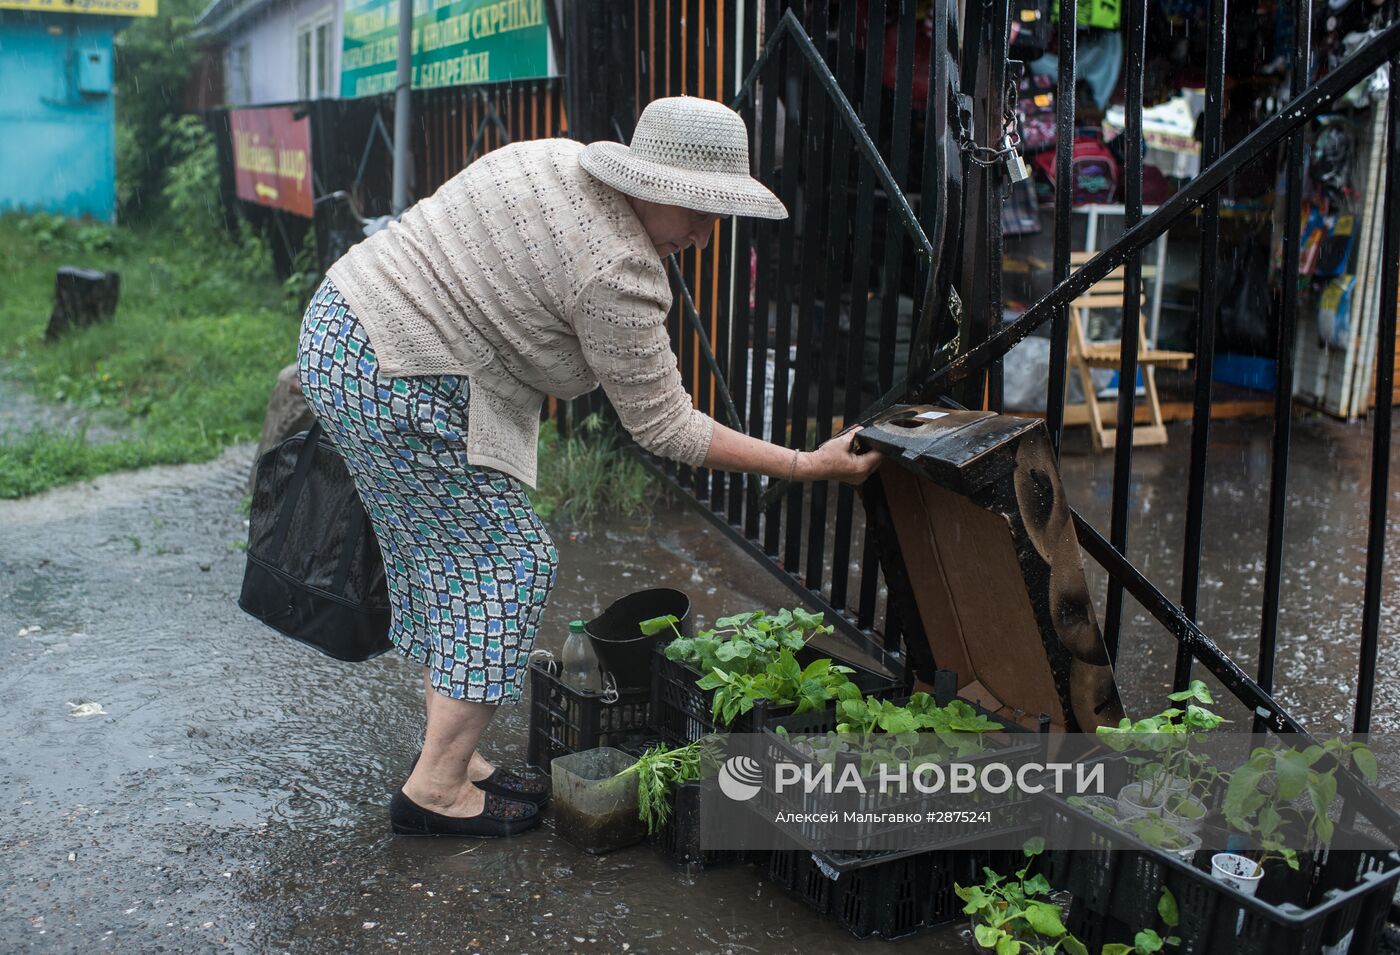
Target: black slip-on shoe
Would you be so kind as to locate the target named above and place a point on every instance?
(498, 817)
(532, 789)
(503, 782)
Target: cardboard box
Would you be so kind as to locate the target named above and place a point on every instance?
(983, 566)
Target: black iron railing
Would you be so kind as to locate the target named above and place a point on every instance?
(896, 214)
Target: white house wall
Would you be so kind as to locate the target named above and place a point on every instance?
(270, 36)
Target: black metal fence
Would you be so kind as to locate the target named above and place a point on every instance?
(884, 127)
(885, 284)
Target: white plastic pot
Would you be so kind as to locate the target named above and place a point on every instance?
(1132, 803)
(1104, 804)
(1240, 873)
(1188, 851)
(1184, 823)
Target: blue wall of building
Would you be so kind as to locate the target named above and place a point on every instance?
(57, 114)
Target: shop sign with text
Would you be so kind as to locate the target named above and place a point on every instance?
(272, 158)
(455, 42)
(105, 8)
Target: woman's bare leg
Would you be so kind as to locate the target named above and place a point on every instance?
(442, 780)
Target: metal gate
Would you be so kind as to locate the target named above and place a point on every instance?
(885, 284)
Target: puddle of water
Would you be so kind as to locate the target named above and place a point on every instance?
(1319, 630)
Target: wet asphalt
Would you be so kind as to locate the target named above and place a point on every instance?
(230, 794)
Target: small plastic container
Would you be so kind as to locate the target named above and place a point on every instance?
(594, 808)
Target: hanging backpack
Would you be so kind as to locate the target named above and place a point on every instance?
(1093, 171)
(1035, 113)
(314, 569)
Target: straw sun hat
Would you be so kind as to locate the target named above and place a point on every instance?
(686, 152)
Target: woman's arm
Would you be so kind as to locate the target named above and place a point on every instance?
(731, 450)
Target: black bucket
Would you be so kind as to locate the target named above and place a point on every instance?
(618, 640)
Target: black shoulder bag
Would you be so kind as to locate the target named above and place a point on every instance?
(314, 569)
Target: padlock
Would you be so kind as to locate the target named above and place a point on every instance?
(1016, 167)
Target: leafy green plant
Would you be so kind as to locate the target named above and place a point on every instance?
(1148, 941)
(783, 682)
(153, 61)
(1011, 916)
(1184, 805)
(306, 271)
(746, 642)
(586, 475)
(660, 770)
(191, 187)
(960, 727)
(1159, 747)
(1158, 833)
(1265, 797)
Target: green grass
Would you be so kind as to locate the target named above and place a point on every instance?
(184, 370)
(586, 475)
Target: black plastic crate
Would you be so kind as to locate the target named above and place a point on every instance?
(888, 895)
(680, 837)
(683, 710)
(1015, 747)
(1117, 883)
(566, 720)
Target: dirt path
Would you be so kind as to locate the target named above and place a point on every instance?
(21, 412)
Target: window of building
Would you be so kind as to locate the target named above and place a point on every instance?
(239, 76)
(314, 78)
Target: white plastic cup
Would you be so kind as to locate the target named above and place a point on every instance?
(1240, 873)
(1132, 804)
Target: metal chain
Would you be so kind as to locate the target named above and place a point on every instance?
(986, 156)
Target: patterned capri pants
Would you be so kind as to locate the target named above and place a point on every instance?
(469, 565)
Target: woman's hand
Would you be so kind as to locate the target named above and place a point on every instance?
(836, 460)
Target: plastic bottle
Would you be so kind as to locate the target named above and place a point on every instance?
(580, 667)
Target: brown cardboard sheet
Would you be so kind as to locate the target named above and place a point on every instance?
(982, 563)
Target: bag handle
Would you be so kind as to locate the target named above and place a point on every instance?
(299, 476)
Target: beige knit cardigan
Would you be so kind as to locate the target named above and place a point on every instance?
(529, 277)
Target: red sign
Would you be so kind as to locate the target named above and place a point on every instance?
(272, 158)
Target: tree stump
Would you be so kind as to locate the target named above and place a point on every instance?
(81, 297)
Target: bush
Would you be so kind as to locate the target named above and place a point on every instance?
(191, 187)
(154, 57)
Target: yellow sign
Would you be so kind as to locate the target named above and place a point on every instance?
(106, 8)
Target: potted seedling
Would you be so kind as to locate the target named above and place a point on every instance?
(1281, 791)
(885, 732)
(1158, 833)
(1012, 915)
(743, 643)
(781, 682)
(1103, 808)
(1158, 748)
